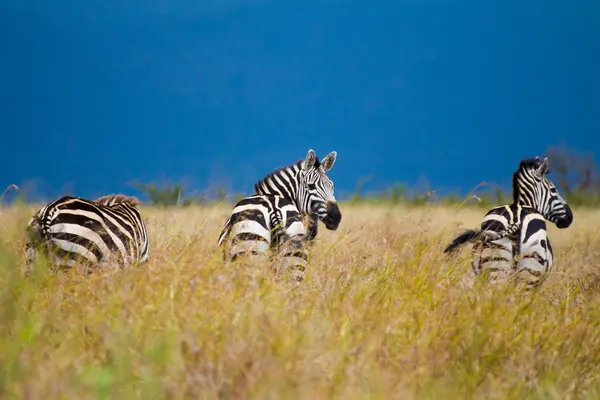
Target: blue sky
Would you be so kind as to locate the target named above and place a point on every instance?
(97, 94)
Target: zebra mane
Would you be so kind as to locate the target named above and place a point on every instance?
(115, 199)
(525, 164)
(278, 171)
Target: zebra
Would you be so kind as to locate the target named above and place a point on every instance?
(513, 239)
(273, 217)
(93, 233)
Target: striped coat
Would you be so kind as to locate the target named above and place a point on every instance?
(74, 231)
(513, 238)
(272, 218)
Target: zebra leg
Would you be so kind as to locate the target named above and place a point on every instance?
(294, 257)
(292, 249)
(249, 246)
(248, 239)
(33, 231)
(493, 258)
(46, 252)
(31, 256)
(535, 256)
(43, 253)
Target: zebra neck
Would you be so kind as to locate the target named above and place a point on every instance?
(280, 183)
(525, 202)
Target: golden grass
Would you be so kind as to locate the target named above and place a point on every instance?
(381, 314)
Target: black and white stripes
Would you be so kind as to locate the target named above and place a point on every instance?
(513, 238)
(102, 232)
(272, 218)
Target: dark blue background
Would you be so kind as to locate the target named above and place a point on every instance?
(97, 94)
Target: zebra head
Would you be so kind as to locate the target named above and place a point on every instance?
(532, 188)
(315, 191)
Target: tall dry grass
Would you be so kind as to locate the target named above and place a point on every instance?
(381, 314)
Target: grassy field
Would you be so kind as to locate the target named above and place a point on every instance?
(381, 314)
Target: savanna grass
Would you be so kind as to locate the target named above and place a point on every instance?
(381, 314)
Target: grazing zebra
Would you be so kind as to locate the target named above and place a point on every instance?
(102, 232)
(272, 218)
(513, 237)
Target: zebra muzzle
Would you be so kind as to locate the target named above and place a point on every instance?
(333, 217)
(567, 220)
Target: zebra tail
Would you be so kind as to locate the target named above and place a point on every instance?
(465, 237)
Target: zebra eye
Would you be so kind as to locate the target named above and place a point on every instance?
(312, 186)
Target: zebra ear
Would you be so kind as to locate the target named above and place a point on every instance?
(328, 161)
(543, 168)
(310, 160)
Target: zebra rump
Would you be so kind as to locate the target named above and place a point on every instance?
(101, 232)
